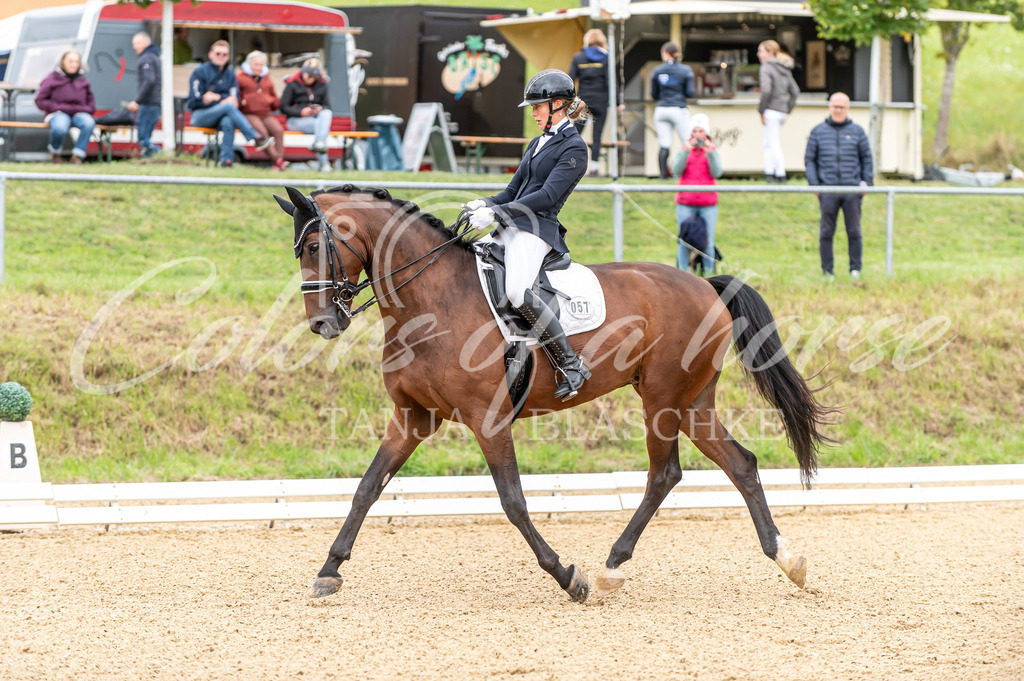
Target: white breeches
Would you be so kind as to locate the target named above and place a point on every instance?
(669, 118)
(524, 254)
(774, 163)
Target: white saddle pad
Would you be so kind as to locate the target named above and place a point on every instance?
(584, 310)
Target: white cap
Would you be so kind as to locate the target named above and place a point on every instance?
(701, 121)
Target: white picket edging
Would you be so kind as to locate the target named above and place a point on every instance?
(173, 502)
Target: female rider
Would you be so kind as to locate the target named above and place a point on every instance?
(527, 212)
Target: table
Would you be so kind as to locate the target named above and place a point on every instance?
(10, 92)
(477, 144)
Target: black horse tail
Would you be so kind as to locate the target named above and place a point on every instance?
(778, 381)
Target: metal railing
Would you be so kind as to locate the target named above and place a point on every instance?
(616, 189)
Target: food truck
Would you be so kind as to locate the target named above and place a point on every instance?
(289, 32)
(719, 42)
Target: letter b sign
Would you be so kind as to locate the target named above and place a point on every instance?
(18, 459)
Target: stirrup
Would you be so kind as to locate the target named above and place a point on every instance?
(567, 387)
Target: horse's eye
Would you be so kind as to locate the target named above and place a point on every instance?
(312, 248)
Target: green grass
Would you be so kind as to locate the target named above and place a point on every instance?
(248, 392)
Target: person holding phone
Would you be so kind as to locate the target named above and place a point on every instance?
(306, 104)
(698, 163)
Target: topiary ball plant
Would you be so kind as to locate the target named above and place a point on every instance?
(15, 402)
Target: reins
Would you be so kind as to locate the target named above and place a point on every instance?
(345, 291)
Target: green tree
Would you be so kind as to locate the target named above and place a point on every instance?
(869, 22)
(864, 21)
(955, 35)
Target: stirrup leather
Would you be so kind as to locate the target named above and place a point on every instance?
(570, 371)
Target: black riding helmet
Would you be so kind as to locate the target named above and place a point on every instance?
(547, 86)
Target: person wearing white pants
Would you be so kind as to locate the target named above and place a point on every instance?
(527, 214)
(778, 97)
(774, 161)
(671, 84)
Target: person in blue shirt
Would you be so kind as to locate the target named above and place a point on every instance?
(590, 70)
(527, 214)
(213, 101)
(671, 84)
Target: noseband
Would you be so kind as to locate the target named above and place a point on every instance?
(344, 289)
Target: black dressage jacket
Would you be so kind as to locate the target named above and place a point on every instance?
(541, 185)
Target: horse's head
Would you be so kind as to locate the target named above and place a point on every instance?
(330, 265)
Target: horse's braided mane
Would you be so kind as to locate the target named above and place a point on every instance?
(465, 241)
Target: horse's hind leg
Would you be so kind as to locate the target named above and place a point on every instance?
(499, 452)
(408, 427)
(702, 426)
(664, 474)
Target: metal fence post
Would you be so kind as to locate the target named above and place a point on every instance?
(617, 236)
(890, 209)
(3, 220)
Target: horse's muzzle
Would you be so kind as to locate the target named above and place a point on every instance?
(330, 326)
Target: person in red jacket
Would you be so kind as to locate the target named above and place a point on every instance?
(698, 163)
(65, 96)
(257, 100)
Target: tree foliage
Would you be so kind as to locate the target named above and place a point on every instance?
(861, 21)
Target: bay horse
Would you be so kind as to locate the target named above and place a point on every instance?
(666, 334)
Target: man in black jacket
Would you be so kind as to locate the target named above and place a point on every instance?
(838, 153)
(146, 104)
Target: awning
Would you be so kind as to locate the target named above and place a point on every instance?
(549, 40)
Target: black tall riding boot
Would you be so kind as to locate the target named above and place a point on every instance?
(663, 164)
(569, 368)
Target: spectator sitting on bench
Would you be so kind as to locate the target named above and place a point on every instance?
(308, 108)
(213, 101)
(65, 96)
(258, 99)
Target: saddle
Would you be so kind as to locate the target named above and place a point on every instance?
(492, 256)
(577, 300)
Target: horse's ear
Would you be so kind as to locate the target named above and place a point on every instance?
(286, 206)
(300, 200)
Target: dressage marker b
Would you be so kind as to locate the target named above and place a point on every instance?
(19, 463)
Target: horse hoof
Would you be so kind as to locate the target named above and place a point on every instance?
(325, 586)
(608, 582)
(579, 587)
(798, 571)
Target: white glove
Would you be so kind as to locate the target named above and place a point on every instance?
(481, 218)
(475, 204)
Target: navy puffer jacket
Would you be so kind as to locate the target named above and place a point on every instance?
(838, 154)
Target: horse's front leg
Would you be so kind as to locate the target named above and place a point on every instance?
(499, 451)
(408, 427)
(663, 450)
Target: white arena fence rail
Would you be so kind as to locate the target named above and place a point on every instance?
(47, 505)
(617, 190)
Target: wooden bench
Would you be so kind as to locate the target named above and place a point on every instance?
(345, 137)
(8, 130)
(476, 145)
(103, 133)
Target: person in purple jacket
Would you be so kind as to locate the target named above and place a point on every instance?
(65, 96)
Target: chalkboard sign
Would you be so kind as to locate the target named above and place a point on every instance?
(428, 130)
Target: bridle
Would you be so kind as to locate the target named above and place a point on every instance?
(344, 289)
